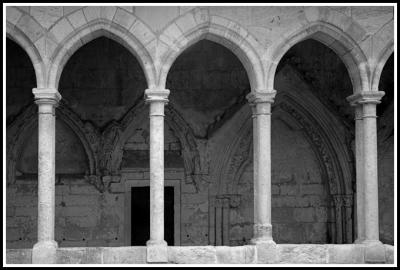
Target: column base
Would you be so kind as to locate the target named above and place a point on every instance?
(262, 233)
(157, 251)
(374, 251)
(44, 252)
(358, 241)
(266, 250)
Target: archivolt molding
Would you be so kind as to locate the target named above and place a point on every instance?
(17, 132)
(21, 128)
(233, 152)
(196, 25)
(194, 167)
(326, 129)
(316, 140)
(112, 22)
(335, 38)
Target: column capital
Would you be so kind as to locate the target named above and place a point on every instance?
(156, 94)
(46, 96)
(372, 97)
(255, 97)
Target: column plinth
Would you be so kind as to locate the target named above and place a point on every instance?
(156, 246)
(261, 106)
(367, 161)
(44, 251)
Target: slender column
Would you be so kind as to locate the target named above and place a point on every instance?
(368, 100)
(348, 206)
(44, 251)
(338, 218)
(359, 171)
(261, 103)
(157, 246)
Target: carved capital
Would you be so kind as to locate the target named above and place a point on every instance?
(46, 96)
(261, 97)
(338, 200)
(260, 102)
(156, 95)
(371, 97)
(345, 200)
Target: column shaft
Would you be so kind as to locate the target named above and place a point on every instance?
(367, 165)
(46, 173)
(44, 251)
(359, 145)
(262, 185)
(156, 245)
(157, 171)
(370, 159)
(261, 105)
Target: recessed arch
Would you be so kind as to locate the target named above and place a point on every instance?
(90, 32)
(343, 45)
(18, 36)
(20, 130)
(222, 31)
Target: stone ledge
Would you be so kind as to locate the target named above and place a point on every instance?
(286, 254)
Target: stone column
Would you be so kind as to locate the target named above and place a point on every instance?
(157, 246)
(338, 218)
(44, 251)
(369, 160)
(359, 128)
(261, 103)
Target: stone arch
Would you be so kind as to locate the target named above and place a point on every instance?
(134, 39)
(196, 25)
(20, 129)
(18, 36)
(382, 59)
(333, 37)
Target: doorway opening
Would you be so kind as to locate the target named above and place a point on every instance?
(140, 215)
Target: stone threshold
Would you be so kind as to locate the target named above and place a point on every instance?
(249, 254)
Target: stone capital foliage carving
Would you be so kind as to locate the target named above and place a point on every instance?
(372, 97)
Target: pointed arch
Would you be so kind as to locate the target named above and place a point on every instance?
(197, 25)
(340, 42)
(97, 28)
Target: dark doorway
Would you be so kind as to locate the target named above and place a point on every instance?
(140, 216)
